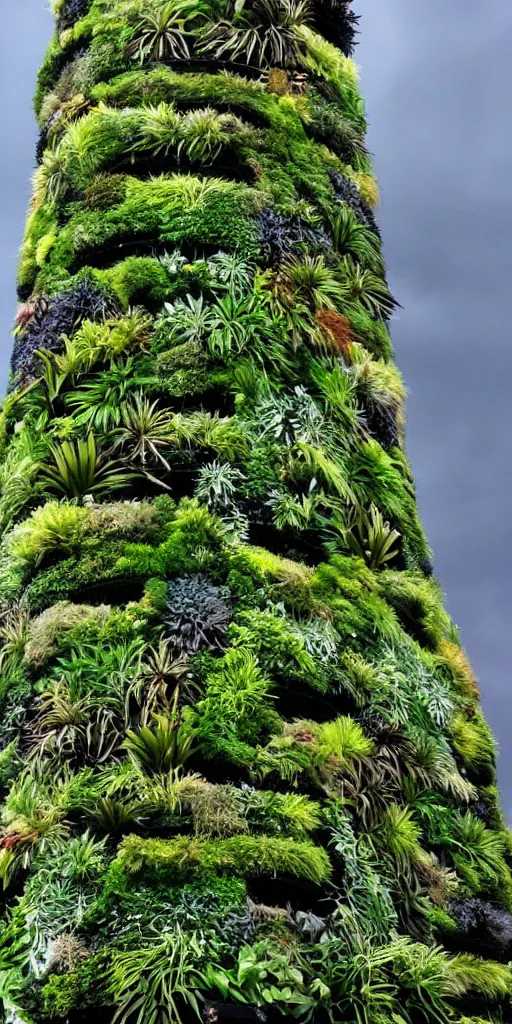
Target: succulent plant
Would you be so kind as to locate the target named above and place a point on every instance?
(70, 11)
(198, 614)
(347, 192)
(280, 235)
(486, 927)
(48, 320)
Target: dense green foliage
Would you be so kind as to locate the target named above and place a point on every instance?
(244, 769)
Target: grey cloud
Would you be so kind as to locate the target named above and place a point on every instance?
(438, 84)
(26, 28)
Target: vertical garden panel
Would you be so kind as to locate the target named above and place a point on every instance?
(244, 769)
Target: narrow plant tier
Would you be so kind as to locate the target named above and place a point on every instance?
(244, 769)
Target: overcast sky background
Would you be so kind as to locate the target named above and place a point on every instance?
(437, 78)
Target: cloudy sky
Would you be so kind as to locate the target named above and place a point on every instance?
(438, 82)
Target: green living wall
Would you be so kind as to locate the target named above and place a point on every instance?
(243, 765)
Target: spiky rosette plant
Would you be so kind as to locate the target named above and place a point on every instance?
(244, 769)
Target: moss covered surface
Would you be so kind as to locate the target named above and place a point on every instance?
(242, 759)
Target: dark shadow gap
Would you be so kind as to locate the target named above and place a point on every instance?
(144, 167)
(118, 592)
(102, 257)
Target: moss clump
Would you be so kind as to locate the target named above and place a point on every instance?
(243, 855)
(46, 629)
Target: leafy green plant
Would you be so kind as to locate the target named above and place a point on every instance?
(159, 128)
(117, 817)
(169, 974)
(161, 33)
(313, 281)
(33, 818)
(474, 744)
(290, 418)
(239, 324)
(167, 745)
(204, 133)
(169, 792)
(351, 238)
(399, 834)
(80, 858)
(13, 634)
(187, 320)
(59, 368)
(321, 465)
(18, 473)
(97, 403)
(358, 980)
(50, 180)
(344, 740)
(263, 975)
(470, 974)
(235, 695)
(373, 539)
(268, 34)
(217, 484)
(164, 682)
(78, 469)
(369, 289)
(51, 528)
(477, 849)
(289, 812)
(74, 724)
(91, 141)
(144, 431)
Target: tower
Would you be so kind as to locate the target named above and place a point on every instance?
(244, 769)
